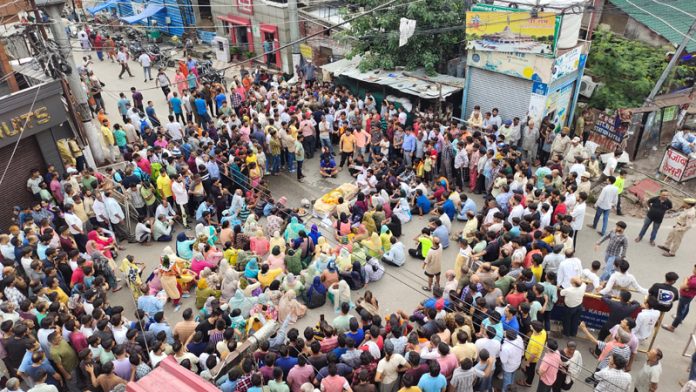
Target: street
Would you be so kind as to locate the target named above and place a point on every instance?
(400, 288)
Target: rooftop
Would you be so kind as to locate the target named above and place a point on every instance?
(680, 14)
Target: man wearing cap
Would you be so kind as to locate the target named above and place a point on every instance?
(574, 151)
(684, 222)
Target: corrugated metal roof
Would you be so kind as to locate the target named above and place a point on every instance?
(668, 11)
(410, 82)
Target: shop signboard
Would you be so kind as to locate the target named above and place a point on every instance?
(520, 65)
(25, 119)
(677, 165)
(510, 31)
(609, 131)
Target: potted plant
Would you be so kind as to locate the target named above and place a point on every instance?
(250, 55)
(234, 51)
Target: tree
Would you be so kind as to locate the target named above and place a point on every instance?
(628, 70)
(376, 36)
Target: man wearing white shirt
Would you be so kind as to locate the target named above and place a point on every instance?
(606, 200)
(99, 209)
(489, 342)
(146, 62)
(511, 353)
(396, 255)
(174, 129)
(578, 215)
(568, 269)
(646, 319)
(573, 297)
(165, 209)
(517, 211)
(75, 225)
(116, 217)
(623, 281)
(181, 196)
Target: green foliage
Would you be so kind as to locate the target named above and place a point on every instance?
(628, 70)
(376, 36)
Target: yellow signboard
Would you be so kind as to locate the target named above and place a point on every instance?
(306, 51)
(511, 31)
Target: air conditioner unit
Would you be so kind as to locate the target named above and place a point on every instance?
(587, 86)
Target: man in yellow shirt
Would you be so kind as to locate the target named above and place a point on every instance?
(535, 348)
(107, 140)
(619, 184)
(164, 186)
(347, 146)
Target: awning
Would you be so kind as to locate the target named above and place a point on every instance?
(103, 6)
(149, 11)
(679, 98)
(415, 82)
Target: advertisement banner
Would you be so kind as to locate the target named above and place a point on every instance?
(674, 164)
(557, 104)
(595, 311)
(511, 32)
(520, 65)
(566, 64)
(537, 101)
(609, 131)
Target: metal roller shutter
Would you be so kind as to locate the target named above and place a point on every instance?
(27, 157)
(495, 90)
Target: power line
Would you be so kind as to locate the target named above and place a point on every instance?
(21, 132)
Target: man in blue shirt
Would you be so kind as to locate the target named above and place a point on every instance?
(219, 99)
(440, 231)
(467, 205)
(149, 303)
(409, 146)
(422, 204)
(175, 104)
(201, 109)
(161, 324)
(510, 319)
(433, 381)
(123, 104)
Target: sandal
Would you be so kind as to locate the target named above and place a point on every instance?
(523, 384)
(117, 288)
(425, 288)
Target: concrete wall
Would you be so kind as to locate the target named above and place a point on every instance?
(325, 48)
(265, 12)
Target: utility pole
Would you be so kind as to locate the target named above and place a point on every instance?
(53, 10)
(294, 18)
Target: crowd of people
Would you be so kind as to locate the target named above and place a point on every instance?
(249, 258)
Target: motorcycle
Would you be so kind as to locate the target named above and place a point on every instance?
(135, 48)
(208, 74)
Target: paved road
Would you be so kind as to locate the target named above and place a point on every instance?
(400, 287)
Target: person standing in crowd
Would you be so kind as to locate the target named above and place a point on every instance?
(657, 208)
(685, 221)
(687, 292)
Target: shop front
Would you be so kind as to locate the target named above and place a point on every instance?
(34, 132)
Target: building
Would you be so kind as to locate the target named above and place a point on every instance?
(250, 23)
(323, 48)
(517, 77)
(36, 129)
(656, 23)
